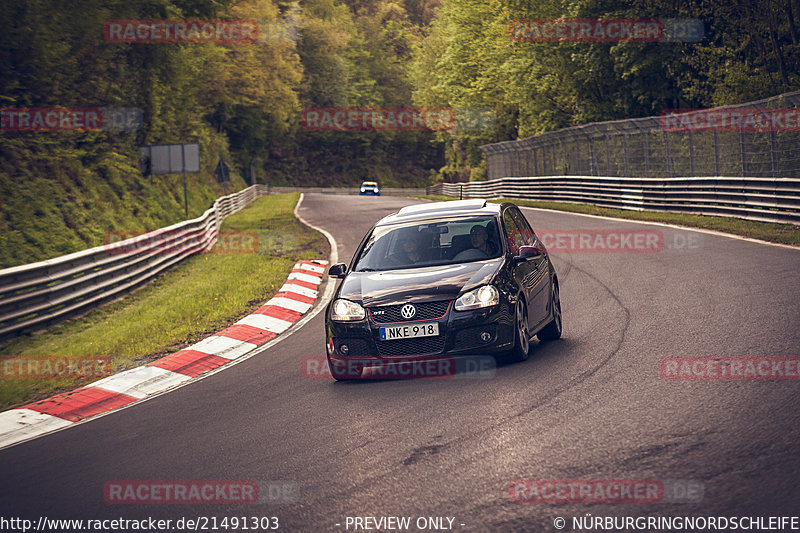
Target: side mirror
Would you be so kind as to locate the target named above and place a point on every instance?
(339, 270)
(528, 252)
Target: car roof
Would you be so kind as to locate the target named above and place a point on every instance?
(370, 183)
(434, 210)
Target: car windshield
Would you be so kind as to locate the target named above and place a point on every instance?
(430, 243)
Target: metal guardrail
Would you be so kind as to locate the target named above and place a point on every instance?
(739, 169)
(39, 294)
(759, 199)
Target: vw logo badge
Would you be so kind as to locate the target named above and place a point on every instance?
(408, 311)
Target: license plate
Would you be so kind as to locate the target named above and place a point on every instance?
(411, 331)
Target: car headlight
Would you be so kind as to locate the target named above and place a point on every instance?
(485, 296)
(346, 311)
(363, 189)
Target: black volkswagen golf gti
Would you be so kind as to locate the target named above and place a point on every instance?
(438, 280)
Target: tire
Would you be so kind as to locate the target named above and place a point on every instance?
(552, 331)
(345, 372)
(522, 342)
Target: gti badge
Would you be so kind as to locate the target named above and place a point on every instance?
(408, 311)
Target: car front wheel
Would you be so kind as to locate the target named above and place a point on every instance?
(522, 341)
(552, 331)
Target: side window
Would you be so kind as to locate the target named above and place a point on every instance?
(513, 236)
(527, 233)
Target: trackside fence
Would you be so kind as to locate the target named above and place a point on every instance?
(759, 199)
(35, 295)
(741, 161)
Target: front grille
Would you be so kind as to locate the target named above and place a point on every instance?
(425, 311)
(418, 346)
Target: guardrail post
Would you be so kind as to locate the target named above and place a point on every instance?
(527, 162)
(669, 154)
(625, 148)
(717, 170)
(691, 153)
(773, 142)
(592, 162)
(544, 160)
(608, 157)
(743, 153)
(646, 143)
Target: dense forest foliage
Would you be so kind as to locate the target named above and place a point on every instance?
(750, 50)
(62, 191)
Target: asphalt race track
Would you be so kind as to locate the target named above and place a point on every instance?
(590, 406)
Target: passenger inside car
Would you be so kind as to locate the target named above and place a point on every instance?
(480, 245)
(479, 237)
(459, 244)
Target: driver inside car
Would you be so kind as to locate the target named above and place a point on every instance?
(409, 249)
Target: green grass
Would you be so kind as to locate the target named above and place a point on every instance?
(61, 194)
(196, 298)
(766, 231)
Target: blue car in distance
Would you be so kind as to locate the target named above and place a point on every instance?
(370, 187)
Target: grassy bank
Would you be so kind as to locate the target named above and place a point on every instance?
(766, 231)
(64, 193)
(196, 298)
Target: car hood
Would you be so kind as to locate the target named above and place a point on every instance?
(418, 284)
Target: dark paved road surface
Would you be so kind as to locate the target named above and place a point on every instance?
(590, 406)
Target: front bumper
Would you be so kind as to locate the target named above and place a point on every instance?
(459, 334)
